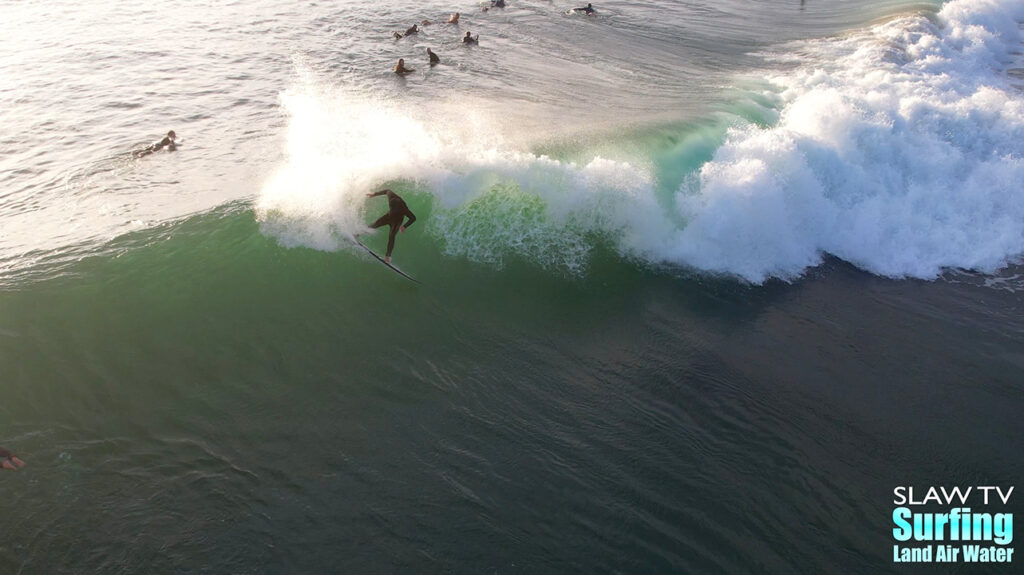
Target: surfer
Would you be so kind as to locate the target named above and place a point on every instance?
(397, 212)
(454, 18)
(167, 142)
(401, 69)
(497, 3)
(589, 10)
(468, 39)
(10, 460)
(433, 57)
(414, 30)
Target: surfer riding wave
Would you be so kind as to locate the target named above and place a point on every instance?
(397, 212)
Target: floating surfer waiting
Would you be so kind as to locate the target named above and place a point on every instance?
(589, 10)
(469, 39)
(397, 212)
(10, 460)
(167, 142)
(400, 67)
(433, 57)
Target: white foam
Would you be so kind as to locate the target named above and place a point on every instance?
(901, 149)
(338, 148)
(490, 200)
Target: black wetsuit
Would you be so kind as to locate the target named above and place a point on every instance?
(167, 142)
(397, 212)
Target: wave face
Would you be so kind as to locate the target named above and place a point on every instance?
(897, 148)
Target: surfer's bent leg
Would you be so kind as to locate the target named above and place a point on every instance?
(381, 221)
(391, 238)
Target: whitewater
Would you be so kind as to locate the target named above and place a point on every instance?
(897, 148)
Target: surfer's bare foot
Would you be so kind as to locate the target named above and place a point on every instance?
(387, 260)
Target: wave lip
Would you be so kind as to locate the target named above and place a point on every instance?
(898, 149)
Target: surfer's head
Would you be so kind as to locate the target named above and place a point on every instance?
(171, 135)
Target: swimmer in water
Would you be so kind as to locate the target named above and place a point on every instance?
(167, 142)
(454, 18)
(10, 460)
(397, 212)
(433, 57)
(589, 10)
(401, 69)
(467, 39)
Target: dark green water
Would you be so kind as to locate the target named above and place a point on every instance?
(209, 401)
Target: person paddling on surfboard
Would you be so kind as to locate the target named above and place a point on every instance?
(397, 212)
(167, 142)
(10, 460)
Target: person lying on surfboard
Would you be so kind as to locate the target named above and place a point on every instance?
(397, 212)
(588, 10)
(167, 142)
(10, 460)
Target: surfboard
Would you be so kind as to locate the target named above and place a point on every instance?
(381, 260)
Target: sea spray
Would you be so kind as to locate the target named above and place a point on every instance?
(492, 201)
(338, 148)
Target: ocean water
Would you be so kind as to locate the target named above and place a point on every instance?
(702, 283)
